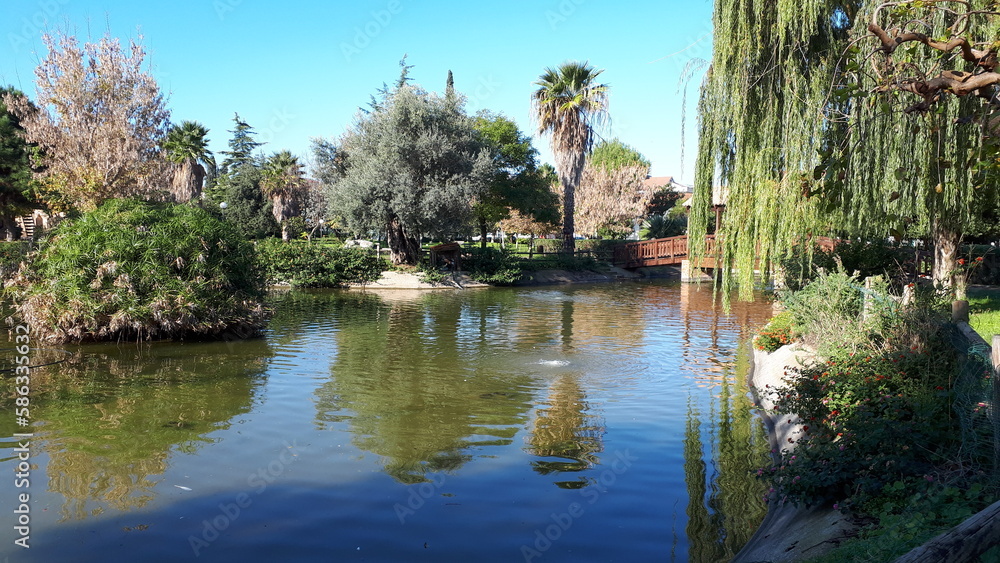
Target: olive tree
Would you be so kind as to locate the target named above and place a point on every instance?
(410, 167)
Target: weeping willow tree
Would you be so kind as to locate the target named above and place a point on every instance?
(761, 126)
(817, 121)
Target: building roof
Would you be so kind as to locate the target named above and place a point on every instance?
(660, 182)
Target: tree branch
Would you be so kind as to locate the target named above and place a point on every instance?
(954, 82)
(983, 58)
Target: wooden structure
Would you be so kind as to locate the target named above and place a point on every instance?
(661, 252)
(447, 254)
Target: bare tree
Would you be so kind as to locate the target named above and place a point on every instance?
(100, 121)
(611, 199)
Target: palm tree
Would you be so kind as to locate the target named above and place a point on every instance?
(186, 145)
(283, 182)
(568, 104)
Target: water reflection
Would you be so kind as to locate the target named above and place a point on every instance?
(113, 415)
(408, 380)
(565, 430)
(724, 505)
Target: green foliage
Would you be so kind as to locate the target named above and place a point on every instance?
(563, 261)
(760, 141)
(870, 420)
(188, 141)
(16, 186)
(864, 258)
(614, 155)
(493, 266)
(776, 333)
(302, 264)
(601, 247)
(410, 168)
(663, 226)
(134, 270)
(909, 519)
(12, 254)
(246, 206)
(664, 202)
(836, 312)
(516, 183)
(241, 146)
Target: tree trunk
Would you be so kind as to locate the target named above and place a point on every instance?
(482, 233)
(946, 242)
(186, 183)
(403, 249)
(569, 203)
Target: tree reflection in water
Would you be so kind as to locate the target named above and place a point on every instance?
(724, 503)
(114, 414)
(414, 380)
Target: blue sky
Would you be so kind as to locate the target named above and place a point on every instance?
(299, 69)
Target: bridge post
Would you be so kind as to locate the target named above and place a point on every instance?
(693, 274)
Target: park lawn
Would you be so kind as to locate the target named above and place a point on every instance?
(984, 311)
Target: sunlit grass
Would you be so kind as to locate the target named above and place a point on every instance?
(984, 311)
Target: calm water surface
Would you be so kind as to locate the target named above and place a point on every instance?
(589, 423)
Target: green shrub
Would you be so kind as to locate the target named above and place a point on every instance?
(493, 266)
(836, 311)
(776, 333)
(663, 226)
(869, 421)
(303, 264)
(861, 258)
(908, 519)
(11, 256)
(133, 269)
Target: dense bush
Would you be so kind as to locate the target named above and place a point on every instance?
(869, 421)
(664, 226)
(863, 258)
(11, 256)
(302, 264)
(602, 247)
(133, 270)
(492, 266)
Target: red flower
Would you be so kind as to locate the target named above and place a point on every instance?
(961, 261)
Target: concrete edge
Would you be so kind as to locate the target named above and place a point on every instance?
(788, 533)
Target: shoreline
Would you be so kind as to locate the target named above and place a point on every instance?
(787, 532)
(391, 280)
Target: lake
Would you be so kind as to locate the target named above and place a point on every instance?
(604, 422)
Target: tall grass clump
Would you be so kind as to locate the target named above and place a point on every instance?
(135, 270)
(306, 264)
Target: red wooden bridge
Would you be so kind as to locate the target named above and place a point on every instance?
(661, 252)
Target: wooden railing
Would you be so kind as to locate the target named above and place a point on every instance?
(658, 252)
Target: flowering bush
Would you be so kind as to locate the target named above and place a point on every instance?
(868, 421)
(775, 334)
